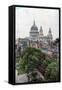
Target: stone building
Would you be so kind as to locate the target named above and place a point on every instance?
(37, 38)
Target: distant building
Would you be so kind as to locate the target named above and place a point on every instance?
(34, 34)
(21, 45)
(37, 38)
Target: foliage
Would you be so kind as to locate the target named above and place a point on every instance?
(52, 71)
(46, 62)
(30, 59)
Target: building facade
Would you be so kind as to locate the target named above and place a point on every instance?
(37, 38)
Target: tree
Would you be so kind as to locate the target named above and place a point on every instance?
(47, 61)
(52, 71)
(30, 59)
(56, 41)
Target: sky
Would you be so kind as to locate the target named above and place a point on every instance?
(47, 18)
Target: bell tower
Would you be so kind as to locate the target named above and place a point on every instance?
(50, 35)
(41, 32)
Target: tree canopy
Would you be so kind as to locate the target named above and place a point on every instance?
(30, 58)
(52, 71)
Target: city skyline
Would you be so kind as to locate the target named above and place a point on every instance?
(43, 17)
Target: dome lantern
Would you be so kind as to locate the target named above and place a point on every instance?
(34, 27)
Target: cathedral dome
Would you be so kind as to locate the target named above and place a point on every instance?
(34, 27)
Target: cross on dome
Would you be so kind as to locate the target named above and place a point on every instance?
(34, 22)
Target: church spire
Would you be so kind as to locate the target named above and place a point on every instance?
(50, 34)
(34, 22)
(41, 31)
(50, 30)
